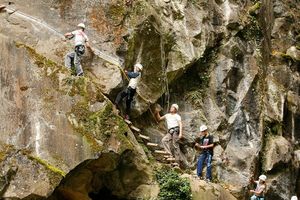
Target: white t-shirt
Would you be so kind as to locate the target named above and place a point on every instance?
(260, 187)
(134, 81)
(172, 120)
(80, 37)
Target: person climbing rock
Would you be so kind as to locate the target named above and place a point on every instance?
(258, 193)
(171, 140)
(205, 143)
(81, 40)
(131, 89)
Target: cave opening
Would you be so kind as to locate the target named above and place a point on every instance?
(104, 194)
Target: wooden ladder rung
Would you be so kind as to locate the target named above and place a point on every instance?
(170, 159)
(175, 164)
(127, 121)
(135, 128)
(144, 137)
(152, 144)
(161, 152)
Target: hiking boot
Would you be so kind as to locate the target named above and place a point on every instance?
(208, 180)
(80, 74)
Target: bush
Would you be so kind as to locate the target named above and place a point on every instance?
(172, 186)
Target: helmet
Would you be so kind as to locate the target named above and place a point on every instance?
(294, 198)
(138, 65)
(81, 25)
(175, 106)
(262, 177)
(203, 128)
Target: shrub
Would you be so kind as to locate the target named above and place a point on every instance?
(172, 186)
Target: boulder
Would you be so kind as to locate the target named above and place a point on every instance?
(275, 100)
(207, 191)
(111, 175)
(297, 158)
(282, 184)
(294, 53)
(277, 151)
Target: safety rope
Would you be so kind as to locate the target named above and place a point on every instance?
(164, 70)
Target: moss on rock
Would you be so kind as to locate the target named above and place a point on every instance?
(47, 165)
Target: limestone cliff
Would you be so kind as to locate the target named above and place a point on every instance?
(233, 65)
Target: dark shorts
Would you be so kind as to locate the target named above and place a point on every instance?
(174, 130)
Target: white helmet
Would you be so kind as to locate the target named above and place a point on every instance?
(138, 65)
(262, 177)
(294, 198)
(203, 128)
(175, 106)
(81, 25)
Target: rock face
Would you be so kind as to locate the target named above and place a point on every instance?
(202, 190)
(233, 65)
(111, 176)
(56, 120)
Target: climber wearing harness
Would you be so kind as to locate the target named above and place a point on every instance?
(171, 139)
(81, 40)
(131, 89)
(206, 144)
(258, 193)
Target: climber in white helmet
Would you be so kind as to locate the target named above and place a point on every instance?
(131, 88)
(171, 140)
(81, 41)
(206, 144)
(294, 198)
(259, 192)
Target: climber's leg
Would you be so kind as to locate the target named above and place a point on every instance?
(166, 142)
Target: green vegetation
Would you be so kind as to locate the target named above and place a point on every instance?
(47, 165)
(254, 9)
(282, 55)
(272, 128)
(251, 28)
(100, 125)
(198, 78)
(172, 186)
(96, 127)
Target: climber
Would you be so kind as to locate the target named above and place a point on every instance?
(294, 198)
(131, 89)
(205, 144)
(171, 140)
(81, 40)
(258, 193)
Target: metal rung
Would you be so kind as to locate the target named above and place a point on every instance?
(152, 144)
(135, 129)
(144, 137)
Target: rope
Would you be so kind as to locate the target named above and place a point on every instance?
(164, 70)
